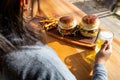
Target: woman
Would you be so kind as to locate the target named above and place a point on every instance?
(24, 54)
(31, 59)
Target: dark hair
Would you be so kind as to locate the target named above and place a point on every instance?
(11, 24)
(5, 47)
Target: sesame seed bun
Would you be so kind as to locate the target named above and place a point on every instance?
(67, 22)
(90, 22)
(67, 25)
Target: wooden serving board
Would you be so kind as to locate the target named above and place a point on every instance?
(77, 40)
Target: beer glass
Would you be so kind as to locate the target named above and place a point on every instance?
(102, 37)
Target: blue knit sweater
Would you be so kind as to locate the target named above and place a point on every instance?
(40, 62)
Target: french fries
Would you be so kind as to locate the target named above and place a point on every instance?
(49, 24)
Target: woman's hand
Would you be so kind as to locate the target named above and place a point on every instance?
(104, 53)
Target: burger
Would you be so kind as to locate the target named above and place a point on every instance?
(89, 25)
(67, 25)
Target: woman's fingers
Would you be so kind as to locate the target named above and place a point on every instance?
(104, 46)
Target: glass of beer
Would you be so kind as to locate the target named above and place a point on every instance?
(102, 37)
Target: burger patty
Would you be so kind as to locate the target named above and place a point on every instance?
(91, 33)
(67, 32)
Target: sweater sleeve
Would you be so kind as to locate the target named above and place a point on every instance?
(35, 63)
(99, 72)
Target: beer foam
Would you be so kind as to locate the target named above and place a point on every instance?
(106, 35)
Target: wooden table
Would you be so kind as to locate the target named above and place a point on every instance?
(80, 60)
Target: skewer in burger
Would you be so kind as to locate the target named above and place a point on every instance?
(89, 25)
(67, 25)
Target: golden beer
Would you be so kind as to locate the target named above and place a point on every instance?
(103, 35)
